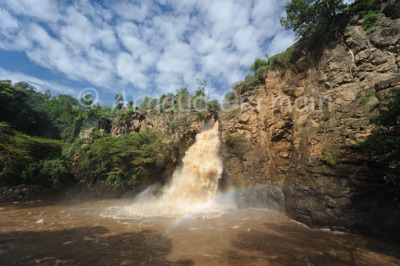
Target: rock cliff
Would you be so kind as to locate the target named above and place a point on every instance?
(298, 134)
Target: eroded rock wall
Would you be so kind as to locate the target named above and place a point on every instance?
(300, 130)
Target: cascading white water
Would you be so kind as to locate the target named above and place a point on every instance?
(193, 186)
(197, 181)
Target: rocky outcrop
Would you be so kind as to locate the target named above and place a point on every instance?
(299, 132)
(86, 127)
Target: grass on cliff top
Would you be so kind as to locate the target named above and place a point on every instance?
(260, 67)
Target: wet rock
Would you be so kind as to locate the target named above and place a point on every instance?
(270, 197)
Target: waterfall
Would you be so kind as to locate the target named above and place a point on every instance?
(194, 184)
(197, 180)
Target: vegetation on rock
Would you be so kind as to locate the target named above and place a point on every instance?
(384, 142)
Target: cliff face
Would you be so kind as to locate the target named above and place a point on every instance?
(299, 132)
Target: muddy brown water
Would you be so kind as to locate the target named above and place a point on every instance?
(103, 232)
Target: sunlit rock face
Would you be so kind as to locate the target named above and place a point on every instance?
(299, 130)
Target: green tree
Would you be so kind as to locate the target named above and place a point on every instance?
(384, 142)
(182, 91)
(121, 162)
(21, 157)
(25, 110)
(214, 104)
(147, 103)
(63, 110)
(201, 87)
(24, 86)
(183, 97)
(87, 101)
(309, 17)
(119, 101)
(6, 82)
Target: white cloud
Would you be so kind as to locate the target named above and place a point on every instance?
(131, 11)
(7, 22)
(147, 46)
(44, 10)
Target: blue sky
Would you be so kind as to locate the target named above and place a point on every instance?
(138, 48)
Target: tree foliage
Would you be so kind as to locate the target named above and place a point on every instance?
(25, 159)
(384, 143)
(120, 162)
(63, 111)
(214, 105)
(309, 17)
(25, 109)
(39, 141)
(201, 87)
(119, 101)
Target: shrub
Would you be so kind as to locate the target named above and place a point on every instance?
(283, 60)
(370, 30)
(153, 112)
(390, 31)
(235, 142)
(147, 104)
(331, 154)
(230, 96)
(239, 87)
(370, 20)
(258, 63)
(199, 102)
(258, 77)
(18, 151)
(200, 115)
(363, 99)
(178, 125)
(120, 162)
(330, 158)
(214, 105)
(384, 142)
(305, 123)
(322, 126)
(326, 115)
(55, 172)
